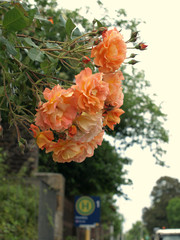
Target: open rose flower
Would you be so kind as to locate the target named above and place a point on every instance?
(88, 126)
(112, 117)
(59, 111)
(90, 91)
(115, 96)
(110, 53)
(69, 150)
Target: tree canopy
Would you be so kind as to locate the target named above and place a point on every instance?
(138, 231)
(173, 210)
(163, 193)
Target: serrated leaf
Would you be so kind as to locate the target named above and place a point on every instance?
(69, 27)
(30, 42)
(14, 20)
(35, 55)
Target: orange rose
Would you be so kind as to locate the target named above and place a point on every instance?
(43, 139)
(69, 150)
(59, 111)
(110, 53)
(115, 96)
(90, 91)
(112, 117)
(88, 126)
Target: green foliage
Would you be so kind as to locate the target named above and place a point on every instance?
(18, 206)
(15, 19)
(110, 215)
(142, 122)
(166, 188)
(173, 210)
(29, 62)
(138, 232)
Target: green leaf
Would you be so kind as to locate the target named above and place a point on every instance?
(9, 46)
(45, 66)
(30, 42)
(31, 14)
(62, 21)
(15, 20)
(99, 24)
(69, 27)
(76, 33)
(35, 55)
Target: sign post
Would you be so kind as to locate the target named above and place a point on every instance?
(88, 233)
(87, 213)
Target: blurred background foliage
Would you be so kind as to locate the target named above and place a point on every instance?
(18, 204)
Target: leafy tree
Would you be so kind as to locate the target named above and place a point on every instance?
(138, 231)
(110, 215)
(173, 210)
(142, 122)
(165, 189)
(156, 216)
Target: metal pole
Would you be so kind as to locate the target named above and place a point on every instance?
(111, 232)
(88, 233)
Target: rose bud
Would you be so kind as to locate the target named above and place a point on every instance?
(86, 59)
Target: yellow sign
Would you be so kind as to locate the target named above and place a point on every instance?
(85, 206)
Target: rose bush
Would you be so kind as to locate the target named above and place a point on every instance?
(78, 114)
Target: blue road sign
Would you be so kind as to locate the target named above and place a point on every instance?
(87, 210)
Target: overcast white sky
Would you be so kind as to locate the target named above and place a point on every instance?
(161, 64)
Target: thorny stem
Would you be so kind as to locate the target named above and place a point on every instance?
(38, 40)
(46, 76)
(34, 85)
(63, 57)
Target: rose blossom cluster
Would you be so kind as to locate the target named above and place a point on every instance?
(70, 122)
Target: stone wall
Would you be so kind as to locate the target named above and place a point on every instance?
(15, 159)
(51, 193)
